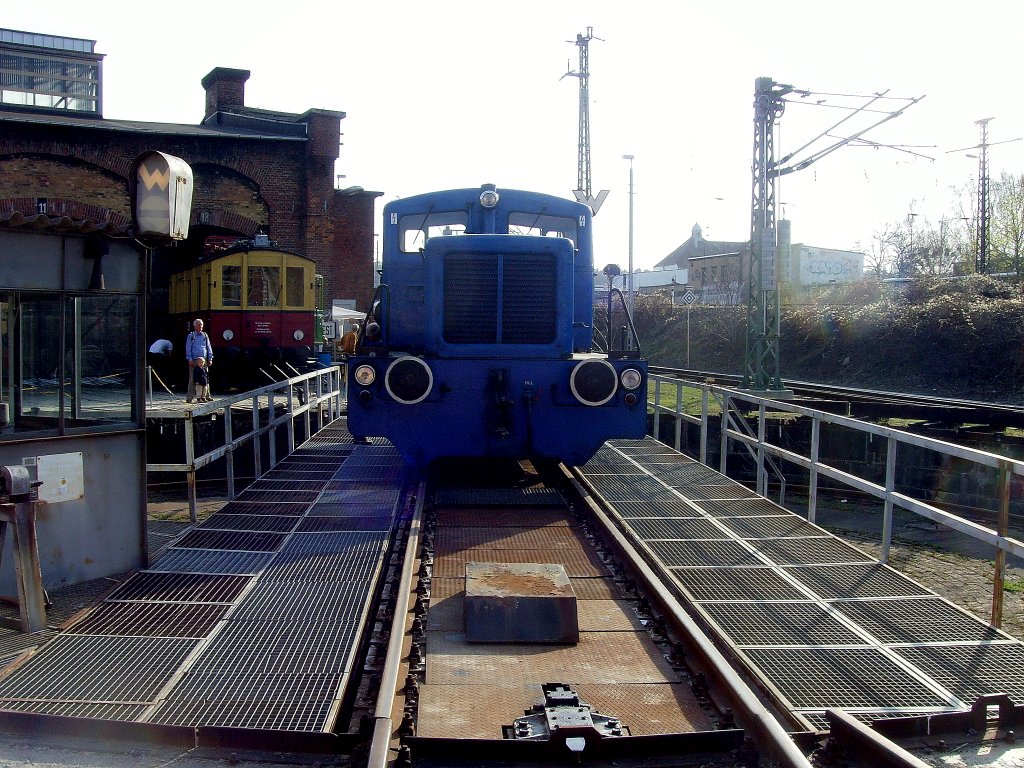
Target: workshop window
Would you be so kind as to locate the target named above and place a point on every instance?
(68, 363)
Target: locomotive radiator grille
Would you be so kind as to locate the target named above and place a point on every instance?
(497, 299)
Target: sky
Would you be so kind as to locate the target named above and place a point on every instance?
(457, 93)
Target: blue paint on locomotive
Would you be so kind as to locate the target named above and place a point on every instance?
(480, 339)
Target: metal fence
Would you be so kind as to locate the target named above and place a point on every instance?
(737, 419)
(314, 398)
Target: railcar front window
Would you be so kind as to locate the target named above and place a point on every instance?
(542, 225)
(231, 286)
(294, 288)
(264, 286)
(415, 229)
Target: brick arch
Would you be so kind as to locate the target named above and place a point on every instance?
(223, 197)
(68, 184)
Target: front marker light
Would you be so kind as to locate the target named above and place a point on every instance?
(365, 375)
(631, 378)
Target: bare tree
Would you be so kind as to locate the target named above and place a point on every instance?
(1007, 224)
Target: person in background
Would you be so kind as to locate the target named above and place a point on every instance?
(197, 345)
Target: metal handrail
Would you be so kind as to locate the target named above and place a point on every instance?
(321, 389)
(1007, 468)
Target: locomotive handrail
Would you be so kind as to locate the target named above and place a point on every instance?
(623, 353)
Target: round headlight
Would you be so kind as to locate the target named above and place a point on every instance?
(409, 380)
(593, 382)
(228, 334)
(365, 375)
(631, 378)
(489, 198)
(298, 335)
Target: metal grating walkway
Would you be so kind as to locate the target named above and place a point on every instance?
(250, 620)
(822, 623)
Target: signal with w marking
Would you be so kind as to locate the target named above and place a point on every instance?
(161, 196)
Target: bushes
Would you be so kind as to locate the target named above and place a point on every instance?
(962, 337)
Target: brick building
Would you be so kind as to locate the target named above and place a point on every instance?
(255, 169)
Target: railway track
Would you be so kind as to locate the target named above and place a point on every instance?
(640, 663)
(875, 404)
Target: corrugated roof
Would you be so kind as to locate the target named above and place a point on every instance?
(116, 225)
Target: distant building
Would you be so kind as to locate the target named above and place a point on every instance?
(718, 269)
(59, 74)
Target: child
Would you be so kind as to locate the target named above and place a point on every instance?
(201, 377)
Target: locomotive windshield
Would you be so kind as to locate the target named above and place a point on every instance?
(414, 230)
(541, 225)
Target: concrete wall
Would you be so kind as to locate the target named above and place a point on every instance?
(99, 535)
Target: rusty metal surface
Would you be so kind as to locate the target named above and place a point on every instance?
(600, 657)
(467, 517)
(476, 712)
(577, 563)
(556, 538)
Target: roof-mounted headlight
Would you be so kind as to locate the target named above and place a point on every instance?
(489, 197)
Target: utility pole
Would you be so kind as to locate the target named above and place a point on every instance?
(629, 293)
(983, 212)
(761, 363)
(583, 187)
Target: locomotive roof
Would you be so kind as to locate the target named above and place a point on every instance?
(459, 197)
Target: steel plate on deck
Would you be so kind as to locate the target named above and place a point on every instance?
(474, 712)
(701, 553)
(970, 671)
(841, 677)
(87, 669)
(577, 563)
(808, 551)
(917, 620)
(780, 624)
(771, 527)
(237, 541)
(536, 496)
(674, 528)
(181, 588)
(592, 615)
(677, 508)
(279, 702)
(276, 509)
(615, 488)
(554, 538)
(485, 517)
(211, 561)
(137, 619)
(227, 522)
(741, 507)
(857, 580)
(600, 657)
(589, 588)
(716, 583)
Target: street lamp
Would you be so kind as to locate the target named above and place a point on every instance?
(629, 285)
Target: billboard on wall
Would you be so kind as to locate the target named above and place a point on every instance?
(816, 266)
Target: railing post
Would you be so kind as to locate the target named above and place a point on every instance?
(890, 486)
(257, 459)
(229, 455)
(762, 476)
(704, 418)
(657, 410)
(319, 403)
(272, 428)
(812, 482)
(305, 414)
(724, 449)
(679, 415)
(290, 425)
(1003, 530)
(149, 385)
(190, 473)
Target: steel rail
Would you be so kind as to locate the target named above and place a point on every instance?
(748, 706)
(383, 724)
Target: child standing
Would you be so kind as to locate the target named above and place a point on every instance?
(201, 379)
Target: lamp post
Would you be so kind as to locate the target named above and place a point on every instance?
(629, 285)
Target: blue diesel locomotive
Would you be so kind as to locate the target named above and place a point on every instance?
(480, 340)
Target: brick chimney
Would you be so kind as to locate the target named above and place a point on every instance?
(225, 88)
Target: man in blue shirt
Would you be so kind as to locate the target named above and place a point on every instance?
(197, 344)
